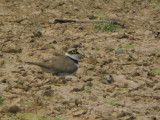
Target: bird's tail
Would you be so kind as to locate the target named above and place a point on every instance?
(33, 63)
(37, 63)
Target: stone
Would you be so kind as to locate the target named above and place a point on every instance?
(78, 88)
(3, 87)
(121, 81)
(88, 79)
(79, 113)
(14, 109)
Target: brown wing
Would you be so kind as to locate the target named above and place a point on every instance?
(62, 64)
(58, 64)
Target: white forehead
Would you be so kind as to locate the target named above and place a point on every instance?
(71, 49)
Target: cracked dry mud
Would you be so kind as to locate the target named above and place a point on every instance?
(128, 55)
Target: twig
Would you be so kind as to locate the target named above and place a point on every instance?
(137, 88)
(145, 96)
(19, 20)
(132, 117)
(5, 14)
(83, 21)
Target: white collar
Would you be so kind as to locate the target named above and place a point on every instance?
(72, 56)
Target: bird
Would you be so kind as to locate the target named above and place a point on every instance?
(61, 65)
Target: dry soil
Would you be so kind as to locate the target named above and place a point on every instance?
(118, 79)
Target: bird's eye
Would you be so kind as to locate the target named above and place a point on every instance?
(74, 51)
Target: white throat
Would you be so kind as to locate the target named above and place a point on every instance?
(75, 57)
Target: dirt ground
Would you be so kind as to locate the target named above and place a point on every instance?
(118, 79)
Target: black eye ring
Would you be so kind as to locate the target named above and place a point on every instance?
(74, 51)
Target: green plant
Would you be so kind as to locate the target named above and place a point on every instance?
(26, 102)
(23, 3)
(137, 115)
(26, 115)
(58, 119)
(154, 71)
(1, 100)
(3, 63)
(10, 115)
(130, 46)
(109, 50)
(99, 16)
(97, 49)
(61, 118)
(119, 51)
(32, 115)
(124, 48)
(88, 88)
(111, 27)
(157, 5)
(112, 101)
